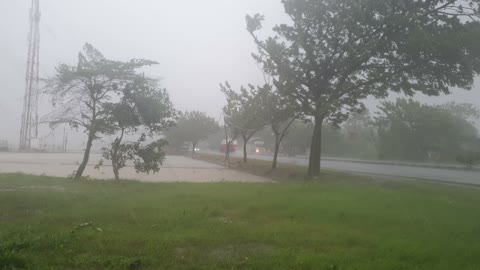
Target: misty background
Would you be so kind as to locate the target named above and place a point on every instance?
(198, 45)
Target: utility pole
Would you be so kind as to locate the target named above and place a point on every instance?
(29, 126)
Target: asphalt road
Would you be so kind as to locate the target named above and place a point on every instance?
(431, 174)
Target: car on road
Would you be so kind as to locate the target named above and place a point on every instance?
(259, 147)
(232, 147)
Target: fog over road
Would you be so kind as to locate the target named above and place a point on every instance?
(432, 174)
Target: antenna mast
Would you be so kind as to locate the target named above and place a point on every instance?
(29, 128)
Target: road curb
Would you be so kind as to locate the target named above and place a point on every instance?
(435, 166)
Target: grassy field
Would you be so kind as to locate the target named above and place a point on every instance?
(340, 222)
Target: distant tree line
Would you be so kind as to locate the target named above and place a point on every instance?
(191, 128)
(410, 130)
(401, 130)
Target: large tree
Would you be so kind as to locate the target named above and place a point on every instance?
(333, 54)
(143, 111)
(81, 92)
(192, 127)
(242, 113)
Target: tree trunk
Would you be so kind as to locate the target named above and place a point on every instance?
(227, 158)
(227, 145)
(316, 148)
(115, 171)
(245, 149)
(116, 145)
(114, 160)
(86, 156)
(275, 153)
(193, 149)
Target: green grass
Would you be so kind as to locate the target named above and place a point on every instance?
(340, 222)
(263, 168)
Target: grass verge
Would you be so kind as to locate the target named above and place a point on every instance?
(340, 222)
(283, 173)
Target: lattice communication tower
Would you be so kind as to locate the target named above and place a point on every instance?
(29, 128)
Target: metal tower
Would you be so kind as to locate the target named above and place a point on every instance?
(29, 128)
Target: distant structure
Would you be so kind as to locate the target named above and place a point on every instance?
(29, 128)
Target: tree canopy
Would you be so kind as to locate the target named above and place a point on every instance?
(333, 54)
(82, 93)
(278, 113)
(192, 127)
(242, 113)
(143, 110)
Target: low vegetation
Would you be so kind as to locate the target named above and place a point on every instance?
(263, 168)
(339, 222)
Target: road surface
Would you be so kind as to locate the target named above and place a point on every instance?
(432, 174)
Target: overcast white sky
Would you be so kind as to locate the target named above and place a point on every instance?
(198, 44)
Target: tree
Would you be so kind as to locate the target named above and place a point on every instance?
(81, 93)
(143, 109)
(278, 112)
(299, 136)
(214, 140)
(358, 137)
(469, 158)
(242, 113)
(334, 54)
(410, 130)
(355, 138)
(192, 127)
(231, 133)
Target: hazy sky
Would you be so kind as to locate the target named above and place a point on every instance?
(198, 44)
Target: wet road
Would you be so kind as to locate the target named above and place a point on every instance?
(432, 174)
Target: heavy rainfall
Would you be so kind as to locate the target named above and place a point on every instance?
(221, 134)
